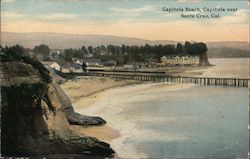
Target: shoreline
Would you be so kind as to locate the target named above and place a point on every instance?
(91, 96)
(84, 93)
(124, 126)
(91, 100)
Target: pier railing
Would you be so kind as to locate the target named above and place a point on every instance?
(154, 77)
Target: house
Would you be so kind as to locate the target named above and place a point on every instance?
(52, 64)
(90, 62)
(180, 60)
(139, 64)
(65, 69)
(77, 60)
(128, 66)
(76, 68)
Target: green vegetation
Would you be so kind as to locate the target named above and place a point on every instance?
(127, 54)
(124, 54)
(43, 50)
(84, 66)
(18, 53)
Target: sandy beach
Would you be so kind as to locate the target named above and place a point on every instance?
(94, 96)
(86, 91)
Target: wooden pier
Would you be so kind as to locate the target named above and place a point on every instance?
(156, 77)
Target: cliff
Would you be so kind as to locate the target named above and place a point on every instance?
(36, 114)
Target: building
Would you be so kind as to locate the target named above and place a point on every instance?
(128, 66)
(65, 69)
(52, 64)
(92, 62)
(76, 68)
(180, 60)
(139, 64)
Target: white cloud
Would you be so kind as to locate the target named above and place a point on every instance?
(241, 16)
(146, 8)
(11, 15)
(61, 16)
(145, 30)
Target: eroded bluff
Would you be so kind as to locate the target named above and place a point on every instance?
(36, 114)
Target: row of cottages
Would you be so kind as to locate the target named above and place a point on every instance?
(95, 62)
(89, 62)
(180, 60)
(75, 68)
(136, 65)
(72, 68)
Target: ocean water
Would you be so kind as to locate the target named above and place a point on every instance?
(180, 121)
(176, 121)
(228, 67)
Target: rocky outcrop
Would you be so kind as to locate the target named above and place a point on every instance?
(36, 114)
(73, 117)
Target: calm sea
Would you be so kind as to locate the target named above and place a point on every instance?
(189, 121)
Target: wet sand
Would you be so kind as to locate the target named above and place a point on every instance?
(86, 91)
(104, 133)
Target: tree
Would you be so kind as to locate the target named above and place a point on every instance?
(111, 49)
(67, 55)
(16, 51)
(188, 47)
(201, 48)
(90, 49)
(195, 48)
(123, 49)
(84, 66)
(43, 50)
(120, 58)
(179, 49)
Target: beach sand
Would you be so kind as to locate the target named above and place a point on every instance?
(104, 133)
(88, 91)
(84, 92)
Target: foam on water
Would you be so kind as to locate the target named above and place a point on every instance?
(179, 121)
(162, 120)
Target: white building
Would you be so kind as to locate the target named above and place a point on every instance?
(92, 62)
(76, 68)
(180, 60)
(51, 64)
(128, 66)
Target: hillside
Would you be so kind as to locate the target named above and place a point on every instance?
(36, 115)
(63, 41)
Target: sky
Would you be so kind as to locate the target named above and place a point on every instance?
(143, 19)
